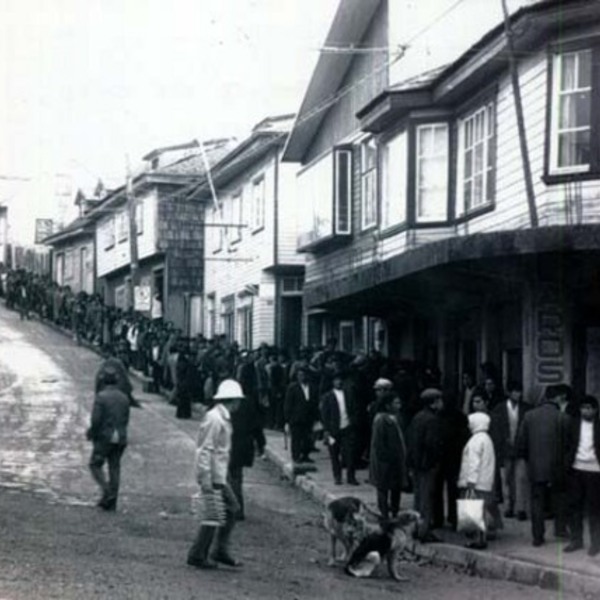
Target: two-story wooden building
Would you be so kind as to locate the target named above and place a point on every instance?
(421, 235)
(170, 233)
(254, 276)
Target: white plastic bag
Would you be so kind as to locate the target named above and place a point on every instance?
(470, 514)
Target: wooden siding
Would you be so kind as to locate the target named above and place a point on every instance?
(366, 78)
(288, 221)
(118, 255)
(567, 203)
(80, 278)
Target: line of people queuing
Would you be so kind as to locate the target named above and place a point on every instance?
(389, 416)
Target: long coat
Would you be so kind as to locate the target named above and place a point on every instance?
(110, 417)
(387, 459)
(297, 410)
(543, 443)
(500, 430)
(425, 441)
(330, 412)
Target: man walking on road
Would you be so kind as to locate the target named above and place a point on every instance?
(108, 432)
(212, 460)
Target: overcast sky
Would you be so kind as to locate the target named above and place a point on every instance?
(86, 81)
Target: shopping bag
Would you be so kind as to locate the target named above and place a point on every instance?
(209, 508)
(470, 514)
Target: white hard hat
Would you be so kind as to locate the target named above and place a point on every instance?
(229, 389)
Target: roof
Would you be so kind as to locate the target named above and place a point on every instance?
(159, 151)
(79, 226)
(270, 133)
(349, 25)
(215, 150)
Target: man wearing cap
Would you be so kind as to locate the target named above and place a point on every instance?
(212, 461)
(425, 449)
(108, 432)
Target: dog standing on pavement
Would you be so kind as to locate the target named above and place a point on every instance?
(383, 543)
(346, 521)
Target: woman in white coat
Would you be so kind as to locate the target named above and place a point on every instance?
(477, 472)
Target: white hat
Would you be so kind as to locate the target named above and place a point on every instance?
(229, 389)
(383, 384)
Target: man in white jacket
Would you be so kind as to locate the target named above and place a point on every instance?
(212, 462)
(477, 470)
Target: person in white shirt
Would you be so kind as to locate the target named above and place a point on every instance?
(584, 477)
(212, 461)
(478, 469)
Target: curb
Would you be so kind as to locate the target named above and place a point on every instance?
(480, 563)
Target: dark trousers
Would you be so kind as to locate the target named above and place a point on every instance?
(558, 502)
(110, 454)
(425, 497)
(584, 498)
(301, 442)
(236, 481)
(215, 540)
(342, 454)
(388, 502)
(447, 476)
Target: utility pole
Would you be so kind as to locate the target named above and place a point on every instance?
(514, 73)
(133, 247)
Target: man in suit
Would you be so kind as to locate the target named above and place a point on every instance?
(542, 442)
(300, 412)
(338, 415)
(425, 450)
(108, 432)
(584, 476)
(506, 421)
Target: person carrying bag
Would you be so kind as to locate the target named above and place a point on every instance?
(476, 508)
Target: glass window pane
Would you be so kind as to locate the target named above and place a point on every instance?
(573, 148)
(568, 72)
(574, 110)
(585, 69)
(468, 164)
(478, 189)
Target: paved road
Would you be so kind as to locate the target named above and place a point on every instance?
(55, 544)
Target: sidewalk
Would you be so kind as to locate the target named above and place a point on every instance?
(511, 557)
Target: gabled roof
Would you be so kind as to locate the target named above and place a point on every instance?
(270, 133)
(349, 25)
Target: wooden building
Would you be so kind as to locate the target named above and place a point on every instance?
(421, 237)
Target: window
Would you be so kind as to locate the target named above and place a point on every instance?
(122, 226)
(235, 233)
(245, 326)
(212, 316)
(571, 112)
(431, 189)
(257, 218)
(228, 318)
(393, 197)
(477, 159)
(139, 217)
(347, 336)
(343, 190)
(368, 178)
(218, 232)
(290, 285)
(108, 233)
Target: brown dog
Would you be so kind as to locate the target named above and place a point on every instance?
(346, 521)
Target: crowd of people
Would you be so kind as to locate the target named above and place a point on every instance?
(390, 417)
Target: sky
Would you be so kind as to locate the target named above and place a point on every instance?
(87, 82)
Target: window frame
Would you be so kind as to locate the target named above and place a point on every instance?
(109, 233)
(337, 185)
(488, 106)
(390, 227)
(236, 236)
(122, 227)
(369, 181)
(139, 217)
(258, 206)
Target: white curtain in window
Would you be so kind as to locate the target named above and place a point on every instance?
(393, 198)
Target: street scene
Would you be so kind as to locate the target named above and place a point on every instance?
(55, 543)
(298, 299)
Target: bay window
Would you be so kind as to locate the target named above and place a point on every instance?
(368, 177)
(431, 178)
(394, 181)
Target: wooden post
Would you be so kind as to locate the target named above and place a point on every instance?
(133, 248)
(514, 73)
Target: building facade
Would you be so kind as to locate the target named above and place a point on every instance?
(254, 276)
(422, 237)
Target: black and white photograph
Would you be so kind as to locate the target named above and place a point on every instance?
(299, 299)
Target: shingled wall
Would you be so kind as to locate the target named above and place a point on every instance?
(181, 238)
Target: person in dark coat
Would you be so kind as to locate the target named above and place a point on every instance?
(506, 421)
(185, 389)
(108, 432)
(301, 411)
(338, 415)
(455, 433)
(112, 362)
(425, 449)
(387, 457)
(584, 476)
(542, 442)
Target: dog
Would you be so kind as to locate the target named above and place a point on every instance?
(346, 521)
(383, 543)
